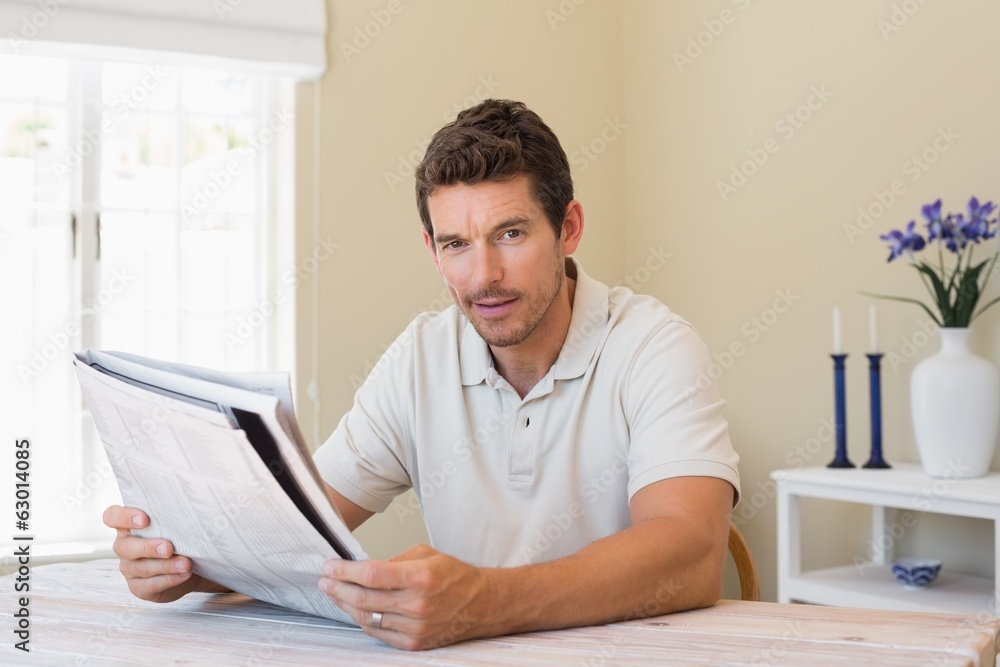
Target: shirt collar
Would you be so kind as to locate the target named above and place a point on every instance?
(586, 328)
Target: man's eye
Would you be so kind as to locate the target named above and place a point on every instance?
(512, 233)
(454, 245)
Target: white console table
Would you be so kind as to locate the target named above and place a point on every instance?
(868, 582)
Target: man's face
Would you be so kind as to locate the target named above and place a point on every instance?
(498, 255)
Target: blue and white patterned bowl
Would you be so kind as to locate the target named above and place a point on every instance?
(916, 572)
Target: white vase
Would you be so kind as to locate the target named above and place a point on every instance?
(955, 404)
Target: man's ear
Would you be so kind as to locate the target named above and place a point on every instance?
(429, 242)
(572, 227)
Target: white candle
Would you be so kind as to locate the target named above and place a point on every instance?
(872, 329)
(838, 344)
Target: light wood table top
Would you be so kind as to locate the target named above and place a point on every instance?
(83, 614)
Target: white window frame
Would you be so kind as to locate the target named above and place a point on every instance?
(84, 109)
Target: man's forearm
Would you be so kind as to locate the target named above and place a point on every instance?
(659, 566)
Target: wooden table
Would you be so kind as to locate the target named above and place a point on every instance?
(83, 614)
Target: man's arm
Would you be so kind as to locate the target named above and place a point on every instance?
(670, 559)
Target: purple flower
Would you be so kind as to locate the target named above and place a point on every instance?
(935, 225)
(955, 286)
(948, 229)
(977, 227)
(906, 241)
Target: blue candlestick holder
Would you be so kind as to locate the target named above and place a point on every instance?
(875, 392)
(840, 459)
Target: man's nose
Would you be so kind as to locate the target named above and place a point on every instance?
(488, 267)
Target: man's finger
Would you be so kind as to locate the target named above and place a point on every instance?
(125, 518)
(150, 588)
(148, 568)
(370, 573)
(131, 547)
(358, 597)
(416, 552)
(387, 630)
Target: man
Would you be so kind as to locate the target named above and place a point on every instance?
(570, 467)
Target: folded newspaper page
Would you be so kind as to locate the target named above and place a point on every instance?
(218, 463)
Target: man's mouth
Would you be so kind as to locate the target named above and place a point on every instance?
(493, 307)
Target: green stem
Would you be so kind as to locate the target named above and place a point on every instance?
(907, 300)
(930, 290)
(986, 281)
(941, 258)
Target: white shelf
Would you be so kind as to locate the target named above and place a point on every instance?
(906, 487)
(876, 588)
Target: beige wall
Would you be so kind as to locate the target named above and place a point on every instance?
(654, 186)
(784, 229)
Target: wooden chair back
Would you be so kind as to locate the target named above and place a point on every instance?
(746, 567)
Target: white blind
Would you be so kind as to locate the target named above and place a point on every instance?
(282, 37)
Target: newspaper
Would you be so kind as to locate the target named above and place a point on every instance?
(218, 463)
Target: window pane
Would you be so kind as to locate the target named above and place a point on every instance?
(38, 319)
(138, 280)
(214, 91)
(221, 171)
(17, 155)
(178, 278)
(30, 77)
(33, 156)
(127, 87)
(138, 168)
(35, 248)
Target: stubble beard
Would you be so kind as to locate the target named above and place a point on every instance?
(501, 334)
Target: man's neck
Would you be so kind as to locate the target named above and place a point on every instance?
(523, 365)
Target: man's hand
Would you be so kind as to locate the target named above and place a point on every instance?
(151, 568)
(426, 598)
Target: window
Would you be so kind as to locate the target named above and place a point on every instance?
(140, 210)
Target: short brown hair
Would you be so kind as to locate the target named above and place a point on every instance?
(495, 141)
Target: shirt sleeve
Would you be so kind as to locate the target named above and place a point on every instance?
(364, 459)
(674, 411)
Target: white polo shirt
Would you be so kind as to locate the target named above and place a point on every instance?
(504, 481)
